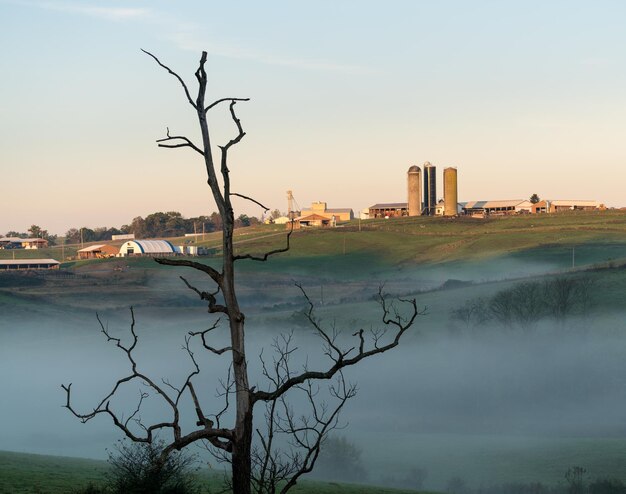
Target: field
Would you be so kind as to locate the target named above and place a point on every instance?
(514, 432)
(22, 473)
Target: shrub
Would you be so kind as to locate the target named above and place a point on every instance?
(136, 468)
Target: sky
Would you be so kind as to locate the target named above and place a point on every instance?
(522, 97)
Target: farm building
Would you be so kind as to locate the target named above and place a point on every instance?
(389, 210)
(98, 252)
(549, 206)
(25, 264)
(123, 236)
(487, 208)
(23, 243)
(319, 208)
(147, 248)
(34, 243)
(312, 220)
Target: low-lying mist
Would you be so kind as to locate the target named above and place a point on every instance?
(487, 404)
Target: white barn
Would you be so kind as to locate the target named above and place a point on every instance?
(147, 248)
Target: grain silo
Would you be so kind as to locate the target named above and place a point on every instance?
(430, 188)
(450, 192)
(414, 179)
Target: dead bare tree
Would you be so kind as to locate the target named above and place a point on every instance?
(235, 443)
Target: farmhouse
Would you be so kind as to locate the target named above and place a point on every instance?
(25, 264)
(312, 220)
(321, 209)
(147, 248)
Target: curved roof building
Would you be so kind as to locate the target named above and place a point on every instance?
(147, 247)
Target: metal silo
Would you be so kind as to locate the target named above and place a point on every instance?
(430, 188)
(450, 192)
(414, 179)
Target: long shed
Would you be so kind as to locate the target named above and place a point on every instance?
(25, 264)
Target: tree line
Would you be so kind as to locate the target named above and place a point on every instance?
(159, 224)
(525, 304)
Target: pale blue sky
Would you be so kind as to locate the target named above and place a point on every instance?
(522, 97)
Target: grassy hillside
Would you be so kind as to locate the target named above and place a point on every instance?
(410, 240)
(39, 474)
(346, 265)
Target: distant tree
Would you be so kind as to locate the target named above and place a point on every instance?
(17, 234)
(575, 479)
(34, 231)
(472, 313)
(275, 214)
(340, 459)
(534, 199)
(72, 236)
(502, 306)
(561, 297)
(530, 305)
(216, 219)
(242, 220)
(138, 227)
(201, 224)
(87, 234)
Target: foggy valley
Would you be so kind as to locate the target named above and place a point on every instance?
(481, 401)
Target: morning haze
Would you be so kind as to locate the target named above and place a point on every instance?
(425, 246)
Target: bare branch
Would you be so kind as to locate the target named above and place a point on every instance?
(265, 256)
(213, 273)
(222, 100)
(224, 163)
(204, 342)
(251, 200)
(209, 297)
(186, 142)
(175, 75)
(340, 360)
(104, 406)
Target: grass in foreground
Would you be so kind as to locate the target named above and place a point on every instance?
(22, 473)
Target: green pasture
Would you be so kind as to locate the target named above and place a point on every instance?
(510, 459)
(409, 240)
(22, 473)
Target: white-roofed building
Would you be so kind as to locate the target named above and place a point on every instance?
(26, 264)
(147, 248)
(558, 205)
(485, 208)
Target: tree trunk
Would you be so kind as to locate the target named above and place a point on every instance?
(242, 442)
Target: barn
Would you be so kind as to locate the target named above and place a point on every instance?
(154, 248)
(98, 252)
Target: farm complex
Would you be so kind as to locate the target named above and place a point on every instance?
(422, 200)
